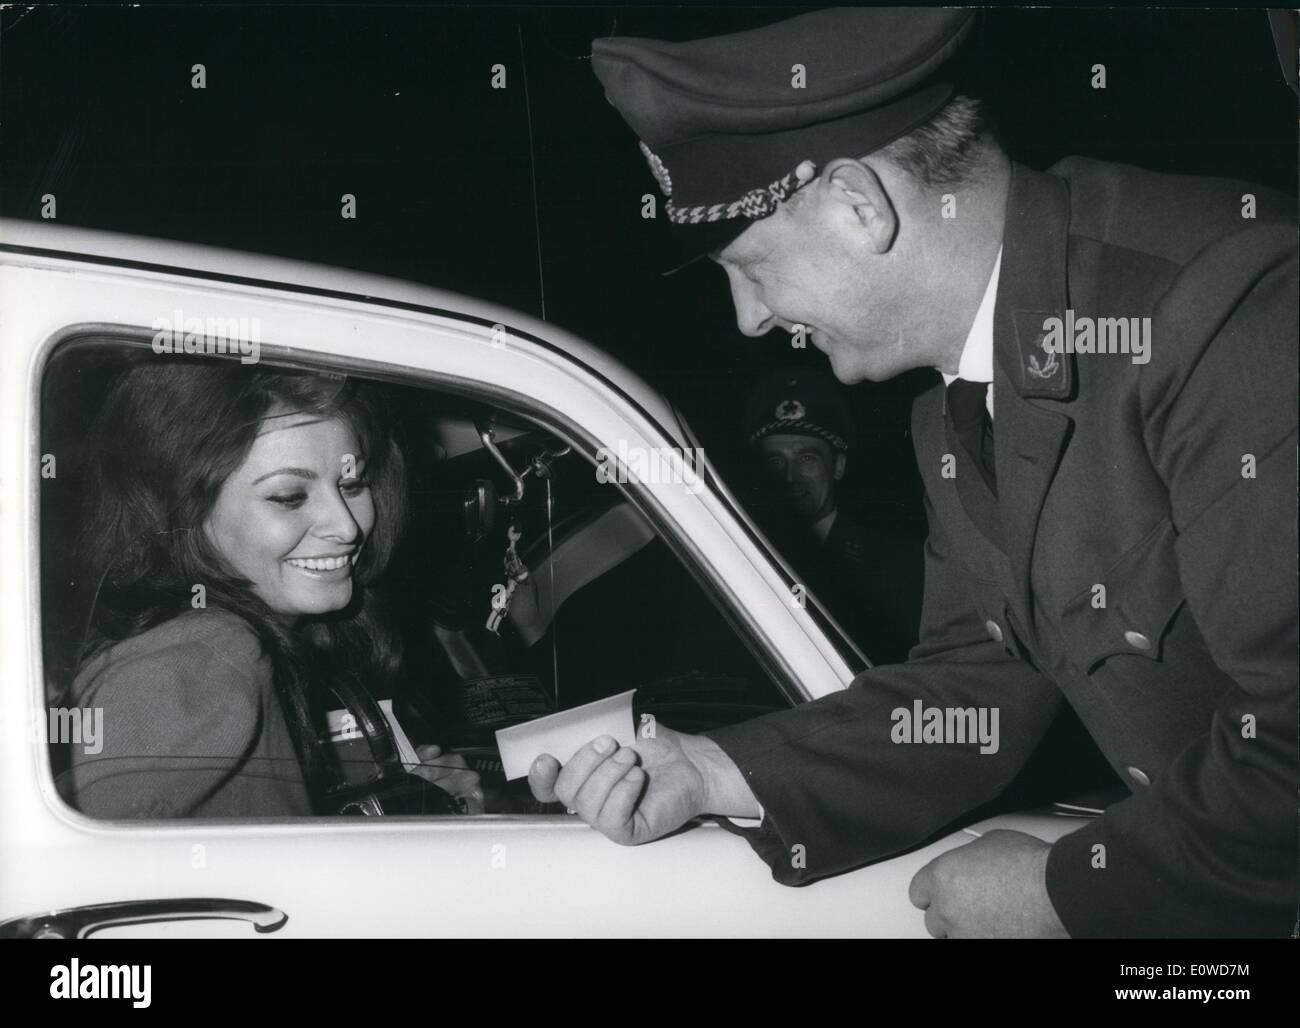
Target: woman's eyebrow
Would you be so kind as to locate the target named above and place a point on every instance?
(306, 473)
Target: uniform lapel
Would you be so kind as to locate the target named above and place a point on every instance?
(1029, 436)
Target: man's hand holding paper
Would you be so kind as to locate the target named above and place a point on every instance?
(630, 789)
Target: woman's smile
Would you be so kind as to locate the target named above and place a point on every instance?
(316, 567)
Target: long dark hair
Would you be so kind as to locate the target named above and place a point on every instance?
(169, 434)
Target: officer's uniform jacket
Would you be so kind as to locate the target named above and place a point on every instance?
(1138, 561)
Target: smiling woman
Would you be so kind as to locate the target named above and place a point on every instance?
(294, 517)
(237, 519)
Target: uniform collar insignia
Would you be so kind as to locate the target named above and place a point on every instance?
(1043, 373)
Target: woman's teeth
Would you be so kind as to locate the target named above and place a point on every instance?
(320, 563)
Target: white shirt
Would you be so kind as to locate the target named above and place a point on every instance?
(976, 362)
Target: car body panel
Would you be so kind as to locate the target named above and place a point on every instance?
(503, 875)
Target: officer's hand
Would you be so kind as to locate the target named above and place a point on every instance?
(631, 794)
(995, 887)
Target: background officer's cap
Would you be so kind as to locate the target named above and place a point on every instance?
(799, 402)
(724, 128)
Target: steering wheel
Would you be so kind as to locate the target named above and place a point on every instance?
(391, 790)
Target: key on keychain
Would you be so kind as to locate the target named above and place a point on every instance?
(516, 572)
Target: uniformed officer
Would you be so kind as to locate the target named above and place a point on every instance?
(799, 423)
(1109, 464)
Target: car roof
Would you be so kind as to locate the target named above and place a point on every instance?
(178, 257)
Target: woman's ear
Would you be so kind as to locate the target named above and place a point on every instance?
(852, 183)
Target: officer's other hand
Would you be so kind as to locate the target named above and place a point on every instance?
(994, 887)
(631, 794)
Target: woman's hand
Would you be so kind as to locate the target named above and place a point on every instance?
(452, 775)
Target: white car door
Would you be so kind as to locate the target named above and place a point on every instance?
(462, 876)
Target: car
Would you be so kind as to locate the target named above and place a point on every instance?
(647, 571)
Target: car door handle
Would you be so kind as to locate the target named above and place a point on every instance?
(79, 922)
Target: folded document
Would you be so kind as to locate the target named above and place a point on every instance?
(563, 734)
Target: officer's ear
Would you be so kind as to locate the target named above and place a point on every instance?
(841, 462)
(849, 181)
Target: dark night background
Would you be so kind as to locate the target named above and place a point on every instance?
(463, 187)
(394, 105)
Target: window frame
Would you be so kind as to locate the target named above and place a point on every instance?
(561, 424)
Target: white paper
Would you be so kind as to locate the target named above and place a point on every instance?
(343, 727)
(563, 734)
(410, 760)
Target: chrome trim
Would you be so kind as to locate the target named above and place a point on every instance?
(80, 922)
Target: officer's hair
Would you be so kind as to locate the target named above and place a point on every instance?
(947, 150)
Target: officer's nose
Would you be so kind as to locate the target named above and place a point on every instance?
(752, 317)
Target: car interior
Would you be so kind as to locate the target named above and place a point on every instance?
(606, 605)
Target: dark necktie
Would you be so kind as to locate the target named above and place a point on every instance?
(973, 426)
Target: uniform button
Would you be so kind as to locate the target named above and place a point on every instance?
(1137, 640)
(1139, 776)
(995, 633)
